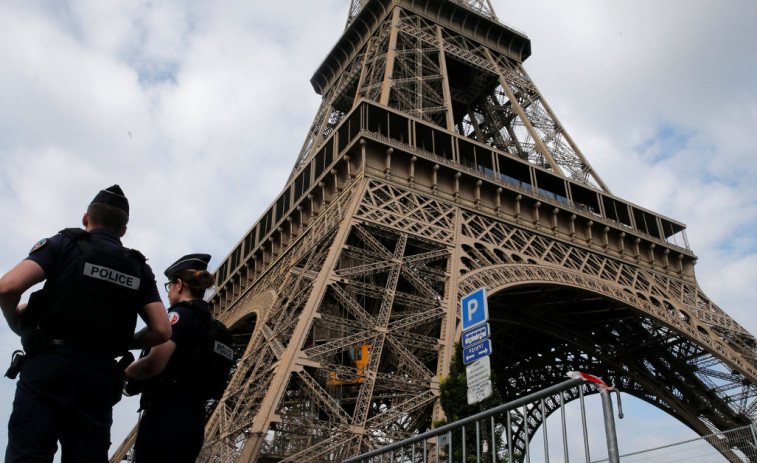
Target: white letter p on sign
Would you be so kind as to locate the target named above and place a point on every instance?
(472, 307)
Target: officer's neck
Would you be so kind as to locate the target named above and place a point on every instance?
(89, 225)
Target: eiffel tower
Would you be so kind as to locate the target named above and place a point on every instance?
(434, 167)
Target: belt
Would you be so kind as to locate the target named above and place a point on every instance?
(98, 357)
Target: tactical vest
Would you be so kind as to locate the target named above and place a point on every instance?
(96, 306)
(217, 360)
(203, 371)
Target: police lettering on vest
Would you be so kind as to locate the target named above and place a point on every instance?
(216, 358)
(223, 350)
(108, 274)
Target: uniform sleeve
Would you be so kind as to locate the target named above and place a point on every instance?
(149, 290)
(46, 253)
(181, 319)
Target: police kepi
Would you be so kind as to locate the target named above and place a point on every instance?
(114, 196)
(190, 261)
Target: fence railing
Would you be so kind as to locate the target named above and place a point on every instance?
(735, 445)
(510, 427)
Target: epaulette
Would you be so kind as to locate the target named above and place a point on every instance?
(138, 256)
(75, 233)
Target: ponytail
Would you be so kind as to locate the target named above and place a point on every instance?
(196, 280)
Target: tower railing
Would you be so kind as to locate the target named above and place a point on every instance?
(489, 434)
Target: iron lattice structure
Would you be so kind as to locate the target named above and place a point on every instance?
(433, 167)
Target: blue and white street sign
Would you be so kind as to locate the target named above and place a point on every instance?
(476, 334)
(476, 351)
(474, 309)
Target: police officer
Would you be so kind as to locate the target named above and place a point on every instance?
(73, 329)
(171, 428)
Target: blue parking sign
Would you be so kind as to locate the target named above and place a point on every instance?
(474, 309)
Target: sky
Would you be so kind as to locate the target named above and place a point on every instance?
(199, 109)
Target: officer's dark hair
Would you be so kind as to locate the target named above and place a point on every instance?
(196, 280)
(108, 216)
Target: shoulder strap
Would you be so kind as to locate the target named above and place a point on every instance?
(79, 236)
(202, 314)
(138, 256)
(75, 233)
(83, 239)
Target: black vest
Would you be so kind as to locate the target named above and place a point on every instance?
(96, 305)
(200, 370)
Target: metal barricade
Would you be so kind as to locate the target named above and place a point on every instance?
(450, 443)
(735, 445)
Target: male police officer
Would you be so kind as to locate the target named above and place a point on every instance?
(73, 329)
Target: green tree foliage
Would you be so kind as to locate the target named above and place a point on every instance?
(454, 391)
(453, 396)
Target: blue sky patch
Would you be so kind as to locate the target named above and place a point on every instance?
(666, 143)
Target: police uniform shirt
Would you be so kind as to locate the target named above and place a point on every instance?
(188, 330)
(58, 258)
(171, 427)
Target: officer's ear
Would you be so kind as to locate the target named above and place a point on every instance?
(85, 220)
(122, 232)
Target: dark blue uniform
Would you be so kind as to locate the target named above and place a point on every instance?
(66, 392)
(171, 428)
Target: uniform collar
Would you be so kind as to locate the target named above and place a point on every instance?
(200, 306)
(106, 234)
(195, 302)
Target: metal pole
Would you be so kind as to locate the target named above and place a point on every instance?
(612, 438)
(544, 431)
(463, 443)
(509, 438)
(583, 421)
(494, 443)
(478, 443)
(525, 427)
(564, 429)
(449, 447)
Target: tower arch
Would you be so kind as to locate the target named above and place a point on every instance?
(547, 321)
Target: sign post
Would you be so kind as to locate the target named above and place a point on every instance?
(476, 345)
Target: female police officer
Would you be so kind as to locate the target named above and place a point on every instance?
(173, 409)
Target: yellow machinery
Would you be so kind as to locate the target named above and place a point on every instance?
(359, 356)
